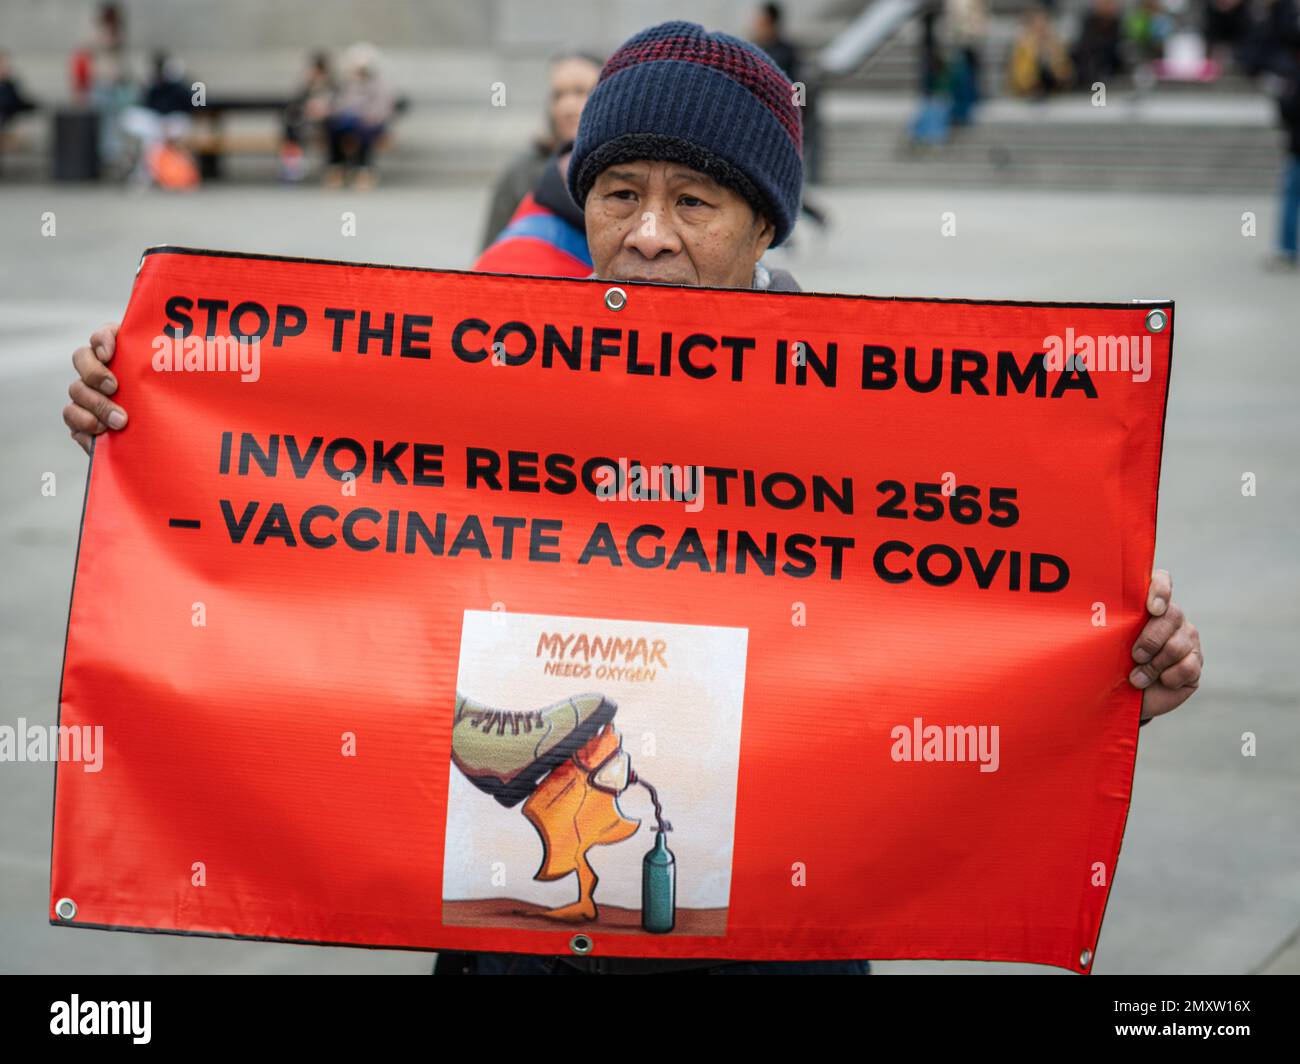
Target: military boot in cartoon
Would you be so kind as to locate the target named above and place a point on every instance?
(507, 753)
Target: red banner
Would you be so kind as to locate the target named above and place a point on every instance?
(437, 610)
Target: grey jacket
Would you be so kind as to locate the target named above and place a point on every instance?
(775, 280)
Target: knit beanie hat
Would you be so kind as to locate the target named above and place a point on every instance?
(709, 101)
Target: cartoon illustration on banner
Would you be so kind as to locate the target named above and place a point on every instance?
(647, 721)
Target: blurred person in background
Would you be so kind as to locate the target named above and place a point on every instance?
(1288, 253)
(930, 123)
(102, 80)
(305, 116)
(1283, 80)
(107, 39)
(159, 122)
(1270, 52)
(930, 69)
(965, 28)
(1268, 44)
(1098, 51)
(359, 115)
(1147, 26)
(1039, 63)
(113, 93)
(768, 33)
(570, 78)
(13, 101)
(1225, 24)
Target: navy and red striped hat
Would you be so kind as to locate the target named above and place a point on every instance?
(709, 101)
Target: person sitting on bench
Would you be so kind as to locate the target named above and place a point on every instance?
(12, 100)
(361, 111)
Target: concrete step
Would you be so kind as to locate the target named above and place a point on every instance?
(896, 66)
(1216, 143)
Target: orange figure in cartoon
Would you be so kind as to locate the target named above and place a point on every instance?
(567, 764)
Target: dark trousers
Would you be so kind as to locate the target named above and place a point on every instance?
(350, 139)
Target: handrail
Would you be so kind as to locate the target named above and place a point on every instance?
(866, 35)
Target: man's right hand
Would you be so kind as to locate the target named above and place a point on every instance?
(90, 411)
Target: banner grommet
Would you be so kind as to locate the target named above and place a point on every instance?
(581, 944)
(615, 298)
(66, 909)
(1156, 321)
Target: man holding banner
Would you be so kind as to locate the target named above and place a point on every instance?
(688, 168)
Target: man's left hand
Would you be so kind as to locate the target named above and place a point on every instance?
(1168, 652)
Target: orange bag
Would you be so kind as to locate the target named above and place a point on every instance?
(173, 167)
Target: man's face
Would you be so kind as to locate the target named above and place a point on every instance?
(662, 221)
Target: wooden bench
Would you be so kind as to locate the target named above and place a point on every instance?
(17, 142)
(211, 142)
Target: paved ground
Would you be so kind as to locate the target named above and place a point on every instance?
(1209, 879)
